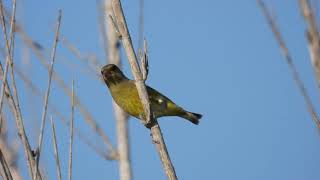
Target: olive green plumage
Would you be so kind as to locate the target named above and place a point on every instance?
(125, 94)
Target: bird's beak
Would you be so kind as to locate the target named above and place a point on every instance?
(103, 69)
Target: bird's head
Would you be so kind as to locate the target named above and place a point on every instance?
(112, 75)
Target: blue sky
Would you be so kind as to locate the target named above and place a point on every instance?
(217, 58)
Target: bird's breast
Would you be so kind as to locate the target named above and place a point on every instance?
(126, 96)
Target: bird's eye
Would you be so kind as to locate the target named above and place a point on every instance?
(160, 101)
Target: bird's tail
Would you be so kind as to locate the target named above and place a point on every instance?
(192, 117)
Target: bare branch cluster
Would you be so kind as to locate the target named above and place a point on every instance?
(14, 103)
(33, 156)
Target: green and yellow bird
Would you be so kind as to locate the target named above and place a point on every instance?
(125, 94)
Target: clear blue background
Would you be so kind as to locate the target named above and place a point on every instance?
(218, 58)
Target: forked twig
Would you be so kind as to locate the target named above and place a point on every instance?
(289, 60)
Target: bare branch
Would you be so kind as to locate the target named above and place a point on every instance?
(114, 25)
(45, 107)
(127, 43)
(312, 35)
(71, 133)
(55, 148)
(155, 128)
(8, 47)
(289, 61)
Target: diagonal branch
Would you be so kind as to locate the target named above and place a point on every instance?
(55, 148)
(127, 44)
(45, 107)
(155, 128)
(312, 37)
(289, 61)
(8, 48)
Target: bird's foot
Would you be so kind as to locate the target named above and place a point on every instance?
(147, 124)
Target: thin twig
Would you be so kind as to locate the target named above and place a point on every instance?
(55, 148)
(45, 107)
(312, 35)
(5, 167)
(71, 133)
(125, 170)
(8, 47)
(155, 128)
(15, 106)
(289, 61)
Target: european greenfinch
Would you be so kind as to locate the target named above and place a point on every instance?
(125, 94)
